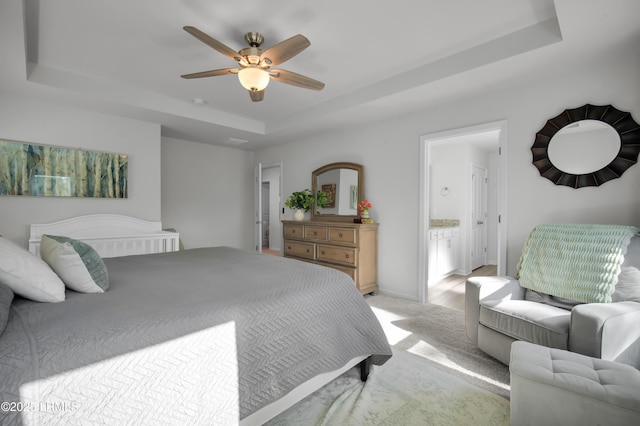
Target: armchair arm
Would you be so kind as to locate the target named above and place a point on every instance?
(607, 330)
(478, 289)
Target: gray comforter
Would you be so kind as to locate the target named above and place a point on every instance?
(202, 336)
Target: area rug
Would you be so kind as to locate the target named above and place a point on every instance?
(437, 335)
(406, 390)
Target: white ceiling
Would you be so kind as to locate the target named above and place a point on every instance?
(125, 57)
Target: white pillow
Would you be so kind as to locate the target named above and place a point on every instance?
(27, 275)
(77, 263)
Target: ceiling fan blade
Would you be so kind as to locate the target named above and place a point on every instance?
(256, 96)
(294, 79)
(212, 73)
(285, 50)
(212, 42)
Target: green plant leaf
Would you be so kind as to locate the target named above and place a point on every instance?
(300, 200)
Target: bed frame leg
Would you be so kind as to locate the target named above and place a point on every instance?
(365, 367)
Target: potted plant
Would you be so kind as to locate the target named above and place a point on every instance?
(364, 207)
(302, 201)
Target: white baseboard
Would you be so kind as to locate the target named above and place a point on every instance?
(399, 295)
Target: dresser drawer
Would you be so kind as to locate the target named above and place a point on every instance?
(342, 235)
(344, 255)
(294, 231)
(300, 249)
(346, 269)
(348, 247)
(315, 233)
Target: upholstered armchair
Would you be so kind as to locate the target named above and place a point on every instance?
(501, 310)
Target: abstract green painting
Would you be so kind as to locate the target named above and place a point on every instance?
(41, 170)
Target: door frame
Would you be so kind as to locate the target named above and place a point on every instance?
(259, 167)
(424, 197)
(257, 214)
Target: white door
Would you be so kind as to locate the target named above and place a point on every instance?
(258, 207)
(266, 197)
(478, 216)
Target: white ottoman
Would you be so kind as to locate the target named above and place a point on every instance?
(557, 387)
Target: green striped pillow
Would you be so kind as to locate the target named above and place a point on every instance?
(77, 264)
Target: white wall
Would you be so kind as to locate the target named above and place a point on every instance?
(390, 152)
(449, 168)
(207, 194)
(48, 124)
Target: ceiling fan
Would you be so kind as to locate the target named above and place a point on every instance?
(254, 72)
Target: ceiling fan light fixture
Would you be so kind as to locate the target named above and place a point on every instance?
(253, 79)
(254, 63)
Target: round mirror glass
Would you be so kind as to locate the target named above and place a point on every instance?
(584, 146)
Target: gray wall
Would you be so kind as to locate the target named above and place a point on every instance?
(49, 124)
(207, 194)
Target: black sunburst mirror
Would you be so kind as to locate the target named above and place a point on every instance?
(622, 122)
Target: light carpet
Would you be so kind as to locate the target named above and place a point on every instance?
(434, 377)
(437, 334)
(403, 391)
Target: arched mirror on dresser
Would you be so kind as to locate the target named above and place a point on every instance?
(344, 185)
(586, 146)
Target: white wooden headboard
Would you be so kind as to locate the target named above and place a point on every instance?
(111, 235)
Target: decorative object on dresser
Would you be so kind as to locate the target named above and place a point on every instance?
(364, 207)
(348, 247)
(302, 201)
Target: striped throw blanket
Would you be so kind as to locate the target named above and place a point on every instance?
(574, 261)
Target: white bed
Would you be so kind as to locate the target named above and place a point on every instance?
(266, 391)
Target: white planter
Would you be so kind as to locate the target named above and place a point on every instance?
(298, 214)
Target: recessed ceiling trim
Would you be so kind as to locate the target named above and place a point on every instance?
(136, 97)
(234, 141)
(539, 35)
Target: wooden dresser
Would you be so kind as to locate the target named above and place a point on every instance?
(348, 247)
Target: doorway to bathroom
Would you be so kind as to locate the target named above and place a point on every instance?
(462, 197)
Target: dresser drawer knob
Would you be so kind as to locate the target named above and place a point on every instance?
(308, 250)
(340, 235)
(289, 247)
(346, 256)
(293, 231)
(322, 252)
(315, 233)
